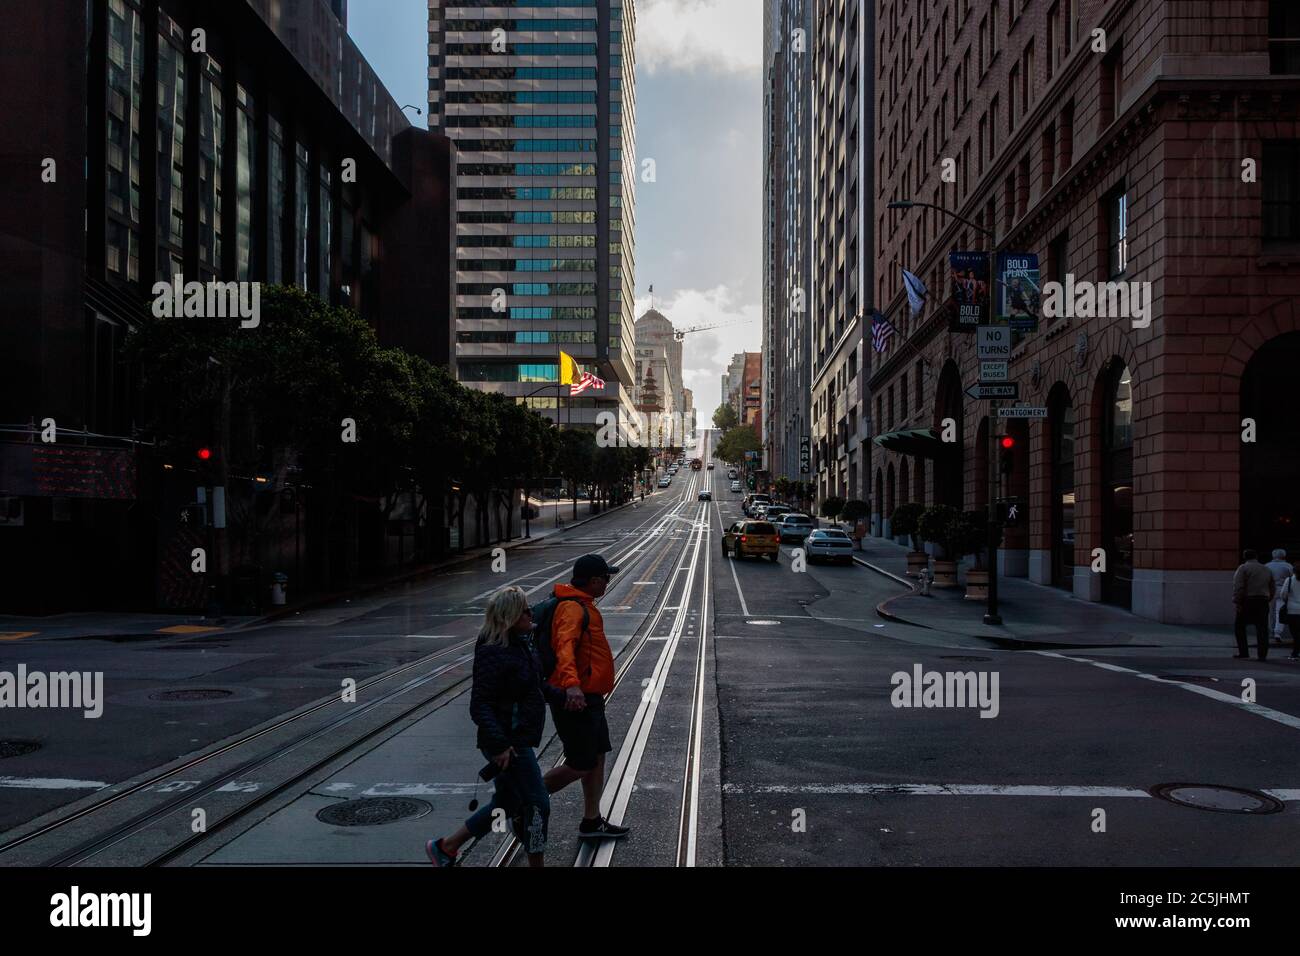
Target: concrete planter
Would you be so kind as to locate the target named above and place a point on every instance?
(945, 574)
(917, 561)
(977, 585)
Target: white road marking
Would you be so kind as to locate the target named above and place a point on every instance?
(49, 783)
(744, 608)
(943, 789)
(1259, 710)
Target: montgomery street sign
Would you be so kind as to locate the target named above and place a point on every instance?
(993, 372)
(1006, 390)
(1022, 411)
(993, 343)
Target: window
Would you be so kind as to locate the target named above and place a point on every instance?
(1009, 198)
(993, 29)
(993, 128)
(1067, 136)
(982, 141)
(965, 76)
(1054, 52)
(984, 45)
(1281, 207)
(1112, 70)
(1058, 258)
(1116, 210)
(1013, 90)
(171, 152)
(1048, 160)
(1022, 196)
(1283, 36)
(1027, 79)
(122, 150)
(902, 397)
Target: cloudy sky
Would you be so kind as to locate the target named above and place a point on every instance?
(699, 116)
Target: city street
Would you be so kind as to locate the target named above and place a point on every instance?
(752, 724)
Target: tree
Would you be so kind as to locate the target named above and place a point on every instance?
(575, 460)
(831, 507)
(854, 510)
(904, 521)
(735, 443)
(725, 418)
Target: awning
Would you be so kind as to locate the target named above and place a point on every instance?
(921, 442)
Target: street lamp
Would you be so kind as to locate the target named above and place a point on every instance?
(991, 615)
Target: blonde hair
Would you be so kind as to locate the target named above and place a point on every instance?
(503, 609)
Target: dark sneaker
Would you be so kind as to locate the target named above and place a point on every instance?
(438, 856)
(601, 829)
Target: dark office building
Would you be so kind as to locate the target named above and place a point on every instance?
(196, 137)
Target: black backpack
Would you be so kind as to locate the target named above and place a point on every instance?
(543, 618)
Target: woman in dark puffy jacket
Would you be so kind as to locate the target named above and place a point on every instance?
(508, 704)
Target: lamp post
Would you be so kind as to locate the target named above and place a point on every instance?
(991, 615)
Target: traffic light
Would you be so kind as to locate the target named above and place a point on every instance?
(1008, 445)
(204, 454)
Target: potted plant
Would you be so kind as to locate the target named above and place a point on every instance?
(974, 540)
(905, 521)
(935, 526)
(854, 511)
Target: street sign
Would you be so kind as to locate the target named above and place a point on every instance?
(805, 455)
(993, 343)
(1001, 390)
(1022, 411)
(1010, 512)
(993, 372)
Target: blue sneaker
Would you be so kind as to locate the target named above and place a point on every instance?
(437, 855)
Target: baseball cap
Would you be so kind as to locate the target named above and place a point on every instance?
(591, 566)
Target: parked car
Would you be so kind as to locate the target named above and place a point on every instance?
(704, 496)
(735, 486)
(795, 527)
(830, 544)
(665, 481)
(745, 538)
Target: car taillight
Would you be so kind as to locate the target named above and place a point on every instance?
(743, 538)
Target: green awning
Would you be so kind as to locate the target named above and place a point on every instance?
(920, 442)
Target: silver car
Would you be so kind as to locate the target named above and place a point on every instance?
(830, 544)
(794, 527)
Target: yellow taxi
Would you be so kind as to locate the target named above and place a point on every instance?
(745, 538)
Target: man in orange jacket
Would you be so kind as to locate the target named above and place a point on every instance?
(584, 670)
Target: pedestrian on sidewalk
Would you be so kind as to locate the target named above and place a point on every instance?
(1252, 592)
(508, 704)
(1281, 571)
(583, 673)
(1290, 612)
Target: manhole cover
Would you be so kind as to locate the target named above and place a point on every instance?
(372, 812)
(1201, 796)
(1190, 678)
(763, 623)
(16, 748)
(191, 693)
(346, 665)
(962, 657)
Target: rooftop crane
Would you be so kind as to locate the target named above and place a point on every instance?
(680, 334)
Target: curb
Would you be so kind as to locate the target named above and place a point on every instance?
(427, 571)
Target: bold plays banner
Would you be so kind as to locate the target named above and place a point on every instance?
(1019, 291)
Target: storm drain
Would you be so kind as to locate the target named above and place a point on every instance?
(373, 812)
(1200, 796)
(1189, 678)
(346, 665)
(191, 694)
(16, 748)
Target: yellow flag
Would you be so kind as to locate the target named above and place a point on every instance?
(568, 369)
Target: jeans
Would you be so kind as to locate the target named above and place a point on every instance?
(522, 795)
(1253, 611)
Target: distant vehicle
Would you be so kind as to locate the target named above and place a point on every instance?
(830, 544)
(710, 466)
(704, 496)
(733, 474)
(794, 527)
(745, 538)
(776, 511)
(750, 501)
(665, 481)
(735, 486)
(696, 464)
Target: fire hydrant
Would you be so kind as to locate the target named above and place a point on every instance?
(280, 580)
(923, 581)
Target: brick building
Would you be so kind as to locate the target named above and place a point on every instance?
(1168, 155)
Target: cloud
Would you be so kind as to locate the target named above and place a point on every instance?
(706, 355)
(719, 36)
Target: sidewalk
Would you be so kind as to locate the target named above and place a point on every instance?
(147, 625)
(1033, 615)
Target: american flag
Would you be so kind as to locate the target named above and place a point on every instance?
(882, 330)
(587, 381)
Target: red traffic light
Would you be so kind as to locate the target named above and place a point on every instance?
(1008, 442)
(204, 454)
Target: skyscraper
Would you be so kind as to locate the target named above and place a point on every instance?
(541, 104)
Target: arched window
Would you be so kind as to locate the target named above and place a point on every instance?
(1117, 484)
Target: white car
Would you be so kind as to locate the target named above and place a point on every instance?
(794, 527)
(735, 486)
(830, 544)
(665, 481)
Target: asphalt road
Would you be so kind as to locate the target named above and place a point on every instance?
(755, 723)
